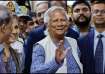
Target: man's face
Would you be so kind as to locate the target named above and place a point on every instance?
(58, 23)
(22, 25)
(30, 26)
(40, 10)
(81, 15)
(98, 15)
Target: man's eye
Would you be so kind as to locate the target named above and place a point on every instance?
(63, 20)
(95, 11)
(77, 10)
(85, 9)
(39, 14)
(55, 20)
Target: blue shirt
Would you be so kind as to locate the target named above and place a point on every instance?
(38, 61)
(10, 65)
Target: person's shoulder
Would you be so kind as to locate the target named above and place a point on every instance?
(72, 42)
(72, 33)
(38, 47)
(37, 30)
(42, 41)
(71, 39)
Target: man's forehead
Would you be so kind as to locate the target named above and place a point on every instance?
(58, 2)
(98, 6)
(37, 3)
(58, 12)
(82, 5)
(41, 8)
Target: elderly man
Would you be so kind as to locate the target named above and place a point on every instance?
(36, 35)
(56, 53)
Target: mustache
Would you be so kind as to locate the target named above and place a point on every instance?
(81, 15)
(84, 23)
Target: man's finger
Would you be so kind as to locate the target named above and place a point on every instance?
(67, 50)
(61, 44)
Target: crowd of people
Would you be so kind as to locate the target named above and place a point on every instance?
(50, 41)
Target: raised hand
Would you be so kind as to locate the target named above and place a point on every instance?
(60, 52)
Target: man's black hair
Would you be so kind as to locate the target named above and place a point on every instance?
(81, 2)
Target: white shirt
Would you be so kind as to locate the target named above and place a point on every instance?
(96, 41)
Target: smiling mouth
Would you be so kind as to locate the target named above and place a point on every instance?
(99, 18)
(60, 29)
(81, 17)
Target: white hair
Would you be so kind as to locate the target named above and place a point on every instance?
(52, 9)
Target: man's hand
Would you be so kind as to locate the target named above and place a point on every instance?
(60, 52)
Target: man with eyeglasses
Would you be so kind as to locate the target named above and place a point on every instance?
(93, 45)
(41, 7)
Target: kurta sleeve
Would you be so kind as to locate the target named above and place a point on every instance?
(38, 61)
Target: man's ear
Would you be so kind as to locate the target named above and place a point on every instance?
(68, 22)
(48, 24)
(71, 17)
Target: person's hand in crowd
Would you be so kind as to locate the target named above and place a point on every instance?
(61, 52)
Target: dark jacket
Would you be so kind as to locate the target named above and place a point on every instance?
(86, 46)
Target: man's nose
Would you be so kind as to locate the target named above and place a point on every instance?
(60, 22)
(81, 12)
(42, 15)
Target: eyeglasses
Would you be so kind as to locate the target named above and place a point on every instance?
(97, 11)
(40, 14)
(16, 27)
(31, 23)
